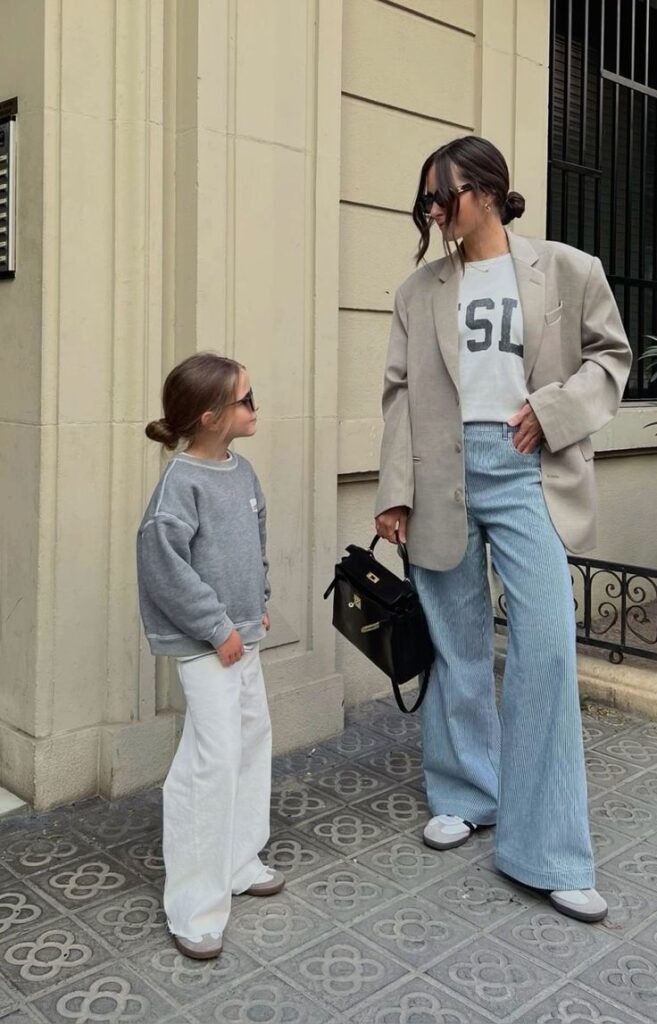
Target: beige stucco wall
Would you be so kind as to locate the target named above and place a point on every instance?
(233, 174)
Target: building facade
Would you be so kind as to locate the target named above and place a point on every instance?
(234, 175)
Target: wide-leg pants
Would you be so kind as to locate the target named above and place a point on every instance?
(523, 767)
(216, 795)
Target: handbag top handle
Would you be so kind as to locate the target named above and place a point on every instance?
(401, 551)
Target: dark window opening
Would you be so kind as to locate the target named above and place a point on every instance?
(602, 153)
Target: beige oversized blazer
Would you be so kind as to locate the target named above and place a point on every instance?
(576, 358)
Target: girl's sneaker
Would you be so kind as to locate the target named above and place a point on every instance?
(268, 884)
(207, 948)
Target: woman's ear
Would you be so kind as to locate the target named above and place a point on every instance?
(208, 419)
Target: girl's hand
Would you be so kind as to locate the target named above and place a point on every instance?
(265, 621)
(391, 524)
(530, 434)
(231, 650)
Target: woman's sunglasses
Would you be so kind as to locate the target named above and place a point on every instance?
(248, 401)
(429, 198)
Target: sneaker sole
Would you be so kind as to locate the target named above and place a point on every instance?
(193, 955)
(579, 915)
(435, 844)
(272, 890)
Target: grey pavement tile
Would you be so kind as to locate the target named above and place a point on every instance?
(185, 980)
(495, 978)
(401, 807)
(350, 781)
(630, 906)
(607, 842)
(270, 1000)
(9, 999)
(365, 712)
(21, 907)
(341, 970)
(417, 1001)
(23, 1015)
(295, 854)
(647, 937)
(111, 995)
(304, 762)
(129, 921)
(602, 770)
(60, 820)
(636, 864)
(355, 741)
(408, 862)
(38, 958)
(480, 896)
(29, 852)
(347, 831)
(81, 881)
(644, 788)
(625, 814)
(108, 824)
(143, 855)
(415, 930)
(609, 718)
(626, 975)
(593, 733)
(555, 939)
(293, 801)
(480, 845)
(401, 764)
(637, 750)
(647, 731)
(346, 892)
(398, 727)
(573, 1004)
(273, 927)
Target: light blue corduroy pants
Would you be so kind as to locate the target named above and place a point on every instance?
(524, 767)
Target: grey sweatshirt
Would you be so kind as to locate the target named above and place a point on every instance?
(201, 561)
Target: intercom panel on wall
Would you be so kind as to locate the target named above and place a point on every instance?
(8, 112)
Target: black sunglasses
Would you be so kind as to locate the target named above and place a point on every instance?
(248, 401)
(429, 198)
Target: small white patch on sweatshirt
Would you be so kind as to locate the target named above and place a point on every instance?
(254, 504)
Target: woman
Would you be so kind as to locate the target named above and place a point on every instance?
(504, 356)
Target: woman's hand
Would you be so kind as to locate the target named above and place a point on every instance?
(231, 650)
(265, 621)
(391, 524)
(530, 433)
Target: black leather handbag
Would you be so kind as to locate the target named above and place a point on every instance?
(381, 615)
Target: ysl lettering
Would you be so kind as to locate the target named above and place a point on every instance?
(475, 323)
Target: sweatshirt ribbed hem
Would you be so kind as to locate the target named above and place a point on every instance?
(179, 646)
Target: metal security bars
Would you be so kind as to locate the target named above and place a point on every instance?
(602, 153)
(615, 607)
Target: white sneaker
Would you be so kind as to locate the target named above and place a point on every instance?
(582, 904)
(206, 948)
(446, 831)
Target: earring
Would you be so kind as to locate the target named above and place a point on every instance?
(487, 206)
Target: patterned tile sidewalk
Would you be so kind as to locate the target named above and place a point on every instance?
(373, 928)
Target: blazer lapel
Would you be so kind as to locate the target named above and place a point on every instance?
(531, 290)
(445, 316)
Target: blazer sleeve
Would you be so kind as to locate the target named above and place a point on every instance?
(571, 411)
(396, 485)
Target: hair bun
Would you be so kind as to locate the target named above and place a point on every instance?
(514, 206)
(162, 432)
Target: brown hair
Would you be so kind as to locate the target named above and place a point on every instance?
(201, 383)
(483, 166)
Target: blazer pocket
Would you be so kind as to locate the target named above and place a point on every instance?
(586, 448)
(554, 315)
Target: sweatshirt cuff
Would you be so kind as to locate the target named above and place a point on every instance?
(221, 632)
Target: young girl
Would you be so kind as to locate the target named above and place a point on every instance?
(203, 587)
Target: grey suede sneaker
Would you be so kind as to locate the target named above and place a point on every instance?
(582, 904)
(208, 947)
(272, 881)
(447, 831)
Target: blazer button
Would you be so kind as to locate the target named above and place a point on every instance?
(458, 494)
(458, 447)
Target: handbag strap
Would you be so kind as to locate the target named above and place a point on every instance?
(401, 551)
(420, 696)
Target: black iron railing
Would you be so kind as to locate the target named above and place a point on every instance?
(615, 605)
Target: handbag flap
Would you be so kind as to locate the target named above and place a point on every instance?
(362, 570)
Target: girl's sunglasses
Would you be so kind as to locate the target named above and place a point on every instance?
(248, 401)
(429, 198)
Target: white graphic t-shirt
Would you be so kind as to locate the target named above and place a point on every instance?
(492, 377)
